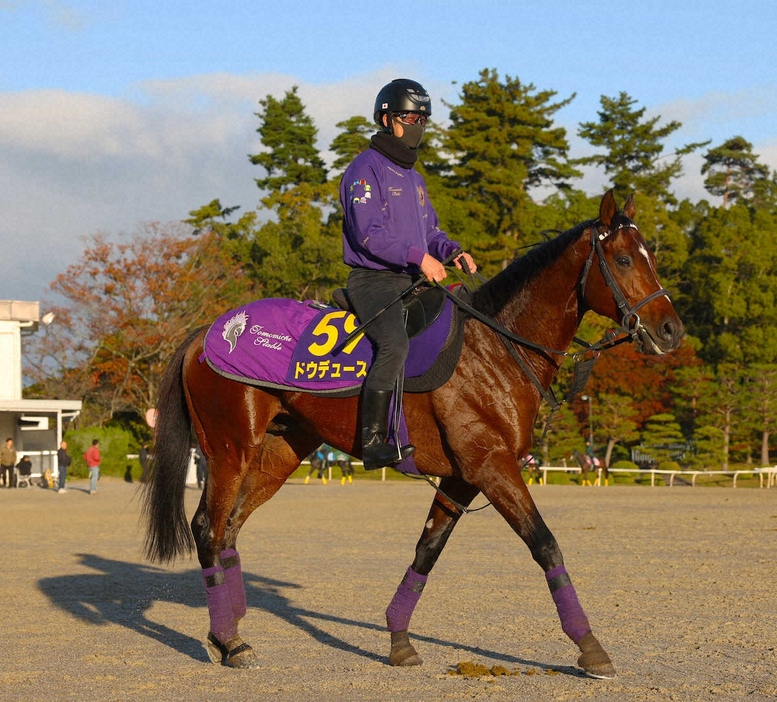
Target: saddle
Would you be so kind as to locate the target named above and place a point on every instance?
(291, 345)
(309, 346)
(422, 307)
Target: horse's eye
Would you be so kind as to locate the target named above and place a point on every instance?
(623, 261)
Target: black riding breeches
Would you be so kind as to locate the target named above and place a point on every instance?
(369, 292)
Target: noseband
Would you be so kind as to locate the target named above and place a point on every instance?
(630, 321)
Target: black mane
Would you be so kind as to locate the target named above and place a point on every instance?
(493, 295)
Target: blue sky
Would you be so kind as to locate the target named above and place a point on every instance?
(117, 113)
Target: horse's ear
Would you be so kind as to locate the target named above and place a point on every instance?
(630, 209)
(607, 209)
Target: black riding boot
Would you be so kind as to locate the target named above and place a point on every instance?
(376, 453)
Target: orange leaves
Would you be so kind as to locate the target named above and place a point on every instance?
(129, 304)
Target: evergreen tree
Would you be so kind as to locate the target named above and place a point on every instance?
(614, 422)
(665, 238)
(733, 171)
(298, 253)
(721, 404)
(453, 211)
(690, 386)
(760, 412)
(502, 142)
(351, 141)
(662, 437)
(634, 147)
(765, 193)
(730, 286)
(562, 438)
(291, 157)
(707, 451)
(235, 237)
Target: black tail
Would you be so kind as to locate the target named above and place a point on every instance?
(168, 533)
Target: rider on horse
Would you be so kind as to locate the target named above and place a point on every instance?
(391, 238)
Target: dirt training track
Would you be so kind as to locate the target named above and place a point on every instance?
(679, 585)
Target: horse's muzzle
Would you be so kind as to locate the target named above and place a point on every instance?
(661, 339)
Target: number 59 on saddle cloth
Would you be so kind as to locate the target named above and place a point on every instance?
(292, 345)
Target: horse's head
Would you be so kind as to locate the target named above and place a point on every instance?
(626, 287)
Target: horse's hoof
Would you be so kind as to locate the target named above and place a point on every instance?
(214, 649)
(235, 653)
(594, 659)
(402, 651)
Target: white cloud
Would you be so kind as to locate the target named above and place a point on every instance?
(72, 164)
(63, 15)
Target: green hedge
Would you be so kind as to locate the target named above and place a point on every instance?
(114, 447)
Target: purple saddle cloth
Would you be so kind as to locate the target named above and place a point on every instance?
(291, 345)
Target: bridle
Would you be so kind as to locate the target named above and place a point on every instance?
(631, 326)
(630, 329)
(630, 321)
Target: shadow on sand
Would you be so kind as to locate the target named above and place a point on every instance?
(121, 593)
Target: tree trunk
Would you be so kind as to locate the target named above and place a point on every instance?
(608, 453)
(765, 448)
(726, 438)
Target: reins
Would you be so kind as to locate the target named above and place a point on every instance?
(630, 326)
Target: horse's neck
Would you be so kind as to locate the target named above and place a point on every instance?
(546, 311)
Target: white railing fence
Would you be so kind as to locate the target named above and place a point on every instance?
(766, 474)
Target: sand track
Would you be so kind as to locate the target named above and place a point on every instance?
(679, 585)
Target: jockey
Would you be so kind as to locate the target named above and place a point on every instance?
(391, 237)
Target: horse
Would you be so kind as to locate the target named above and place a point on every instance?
(318, 465)
(470, 432)
(587, 464)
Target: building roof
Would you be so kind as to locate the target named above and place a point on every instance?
(40, 405)
(19, 311)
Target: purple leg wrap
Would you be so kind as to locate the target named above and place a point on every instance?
(406, 598)
(233, 575)
(222, 621)
(573, 620)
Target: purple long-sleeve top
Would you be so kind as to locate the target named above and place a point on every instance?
(388, 221)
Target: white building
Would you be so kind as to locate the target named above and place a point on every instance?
(36, 426)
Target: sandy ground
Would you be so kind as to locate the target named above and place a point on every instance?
(679, 585)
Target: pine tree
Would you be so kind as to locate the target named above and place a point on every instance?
(662, 438)
(351, 141)
(733, 171)
(730, 286)
(760, 412)
(633, 148)
(298, 253)
(501, 143)
(291, 157)
(614, 422)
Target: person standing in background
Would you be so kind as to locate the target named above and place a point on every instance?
(7, 462)
(63, 461)
(92, 458)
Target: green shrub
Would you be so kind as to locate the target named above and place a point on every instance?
(114, 447)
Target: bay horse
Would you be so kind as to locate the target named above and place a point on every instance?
(471, 432)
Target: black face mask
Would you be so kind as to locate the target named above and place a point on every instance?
(412, 135)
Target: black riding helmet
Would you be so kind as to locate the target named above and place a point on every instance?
(401, 95)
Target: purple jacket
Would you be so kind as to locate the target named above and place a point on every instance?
(388, 221)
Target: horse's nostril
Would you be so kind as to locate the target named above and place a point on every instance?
(671, 331)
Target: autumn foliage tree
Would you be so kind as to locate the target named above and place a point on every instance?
(125, 308)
